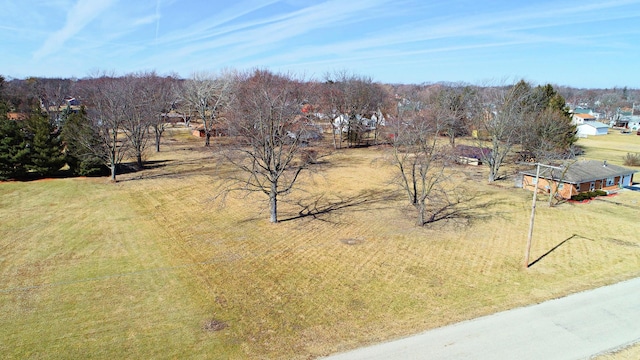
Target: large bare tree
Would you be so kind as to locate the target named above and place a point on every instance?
(503, 111)
(421, 162)
(103, 135)
(272, 134)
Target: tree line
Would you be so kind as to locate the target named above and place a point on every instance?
(276, 121)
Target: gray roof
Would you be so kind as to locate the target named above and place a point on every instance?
(583, 171)
(595, 124)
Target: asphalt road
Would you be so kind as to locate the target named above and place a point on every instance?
(578, 326)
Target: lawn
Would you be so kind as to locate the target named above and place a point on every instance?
(158, 266)
(612, 147)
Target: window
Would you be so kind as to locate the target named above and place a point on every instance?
(610, 181)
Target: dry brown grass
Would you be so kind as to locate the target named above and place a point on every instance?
(155, 259)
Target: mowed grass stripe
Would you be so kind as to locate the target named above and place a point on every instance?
(299, 289)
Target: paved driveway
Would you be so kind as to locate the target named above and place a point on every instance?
(574, 327)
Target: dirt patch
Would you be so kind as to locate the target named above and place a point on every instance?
(215, 325)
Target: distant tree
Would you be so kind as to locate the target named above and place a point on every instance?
(85, 152)
(105, 104)
(548, 132)
(353, 105)
(271, 135)
(14, 150)
(208, 94)
(46, 155)
(136, 109)
(453, 106)
(163, 95)
(54, 95)
(503, 111)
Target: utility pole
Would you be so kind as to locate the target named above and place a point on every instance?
(533, 211)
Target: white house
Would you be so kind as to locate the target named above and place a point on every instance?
(578, 119)
(634, 122)
(591, 128)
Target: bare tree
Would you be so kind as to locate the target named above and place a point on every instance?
(137, 113)
(421, 163)
(105, 104)
(208, 94)
(272, 133)
(56, 97)
(354, 105)
(161, 94)
(453, 106)
(503, 111)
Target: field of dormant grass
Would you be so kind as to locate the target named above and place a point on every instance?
(157, 266)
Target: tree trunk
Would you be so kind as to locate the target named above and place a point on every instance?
(273, 203)
(113, 172)
(421, 210)
(158, 136)
(139, 160)
(207, 137)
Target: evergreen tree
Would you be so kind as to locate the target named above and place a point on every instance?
(82, 146)
(46, 156)
(14, 150)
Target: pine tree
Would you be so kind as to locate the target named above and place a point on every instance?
(14, 150)
(82, 146)
(46, 156)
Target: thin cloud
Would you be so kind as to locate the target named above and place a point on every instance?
(252, 37)
(78, 17)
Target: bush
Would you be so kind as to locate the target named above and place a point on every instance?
(581, 197)
(632, 159)
(600, 193)
(588, 195)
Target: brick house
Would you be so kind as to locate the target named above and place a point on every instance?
(578, 177)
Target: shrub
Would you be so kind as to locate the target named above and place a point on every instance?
(588, 195)
(580, 197)
(631, 159)
(600, 193)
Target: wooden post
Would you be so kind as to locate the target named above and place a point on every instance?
(533, 216)
(533, 212)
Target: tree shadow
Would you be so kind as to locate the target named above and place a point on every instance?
(574, 236)
(319, 206)
(466, 208)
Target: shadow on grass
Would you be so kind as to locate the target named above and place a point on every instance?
(574, 236)
(463, 209)
(319, 206)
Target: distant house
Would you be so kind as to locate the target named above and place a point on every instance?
(17, 116)
(581, 176)
(592, 128)
(578, 119)
(582, 110)
(215, 131)
(471, 155)
(173, 117)
(633, 122)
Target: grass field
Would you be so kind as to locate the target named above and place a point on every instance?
(612, 147)
(155, 266)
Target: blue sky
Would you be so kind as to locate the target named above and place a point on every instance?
(581, 43)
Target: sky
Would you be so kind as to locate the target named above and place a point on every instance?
(578, 43)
